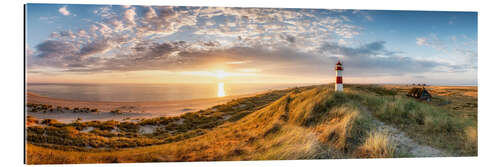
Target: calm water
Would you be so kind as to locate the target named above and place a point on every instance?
(148, 92)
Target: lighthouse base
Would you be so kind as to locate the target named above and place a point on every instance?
(339, 87)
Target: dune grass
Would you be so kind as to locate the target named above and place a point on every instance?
(376, 145)
(302, 123)
(427, 123)
(310, 123)
(113, 135)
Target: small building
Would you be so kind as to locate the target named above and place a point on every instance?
(419, 93)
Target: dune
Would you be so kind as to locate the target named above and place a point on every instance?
(365, 121)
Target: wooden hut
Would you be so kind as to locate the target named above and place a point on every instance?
(420, 93)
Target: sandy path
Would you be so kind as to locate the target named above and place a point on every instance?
(131, 110)
(404, 143)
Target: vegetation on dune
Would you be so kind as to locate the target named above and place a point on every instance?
(112, 135)
(116, 111)
(376, 145)
(302, 123)
(311, 123)
(471, 140)
(49, 108)
(31, 120)
(430, 123)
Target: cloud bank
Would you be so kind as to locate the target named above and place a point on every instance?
(289, 42)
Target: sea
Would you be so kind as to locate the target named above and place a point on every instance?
(149, 92)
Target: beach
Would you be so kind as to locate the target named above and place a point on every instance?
(129, 110)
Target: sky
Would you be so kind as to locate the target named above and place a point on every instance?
(171, 44)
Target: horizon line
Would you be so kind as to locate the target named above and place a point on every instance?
(305, 83)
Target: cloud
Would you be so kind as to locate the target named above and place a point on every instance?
(164, 20)
(252, 27)
(63, 54)
(104, 12)
(433, 41)
(104, 29)
(63, 34)
(371, 59)
(421, 41)
(52, 48)
(464, 53)
(53, 54)
(178, 56)
(265, 25)
(364, 14)
(50, 19)
(374, 59)
(129, 15)
(64, 11)
(288, 38)
(95, 47)
(368, 17)
(453, 38)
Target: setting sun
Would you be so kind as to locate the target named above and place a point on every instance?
(220, 74)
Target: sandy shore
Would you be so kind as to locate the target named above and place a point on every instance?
(131, 110)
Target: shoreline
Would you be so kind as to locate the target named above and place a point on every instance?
(131, 110)
(121, 102)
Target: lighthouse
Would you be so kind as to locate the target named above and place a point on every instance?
(339, 87)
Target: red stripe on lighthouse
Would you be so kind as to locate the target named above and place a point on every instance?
(339, 80)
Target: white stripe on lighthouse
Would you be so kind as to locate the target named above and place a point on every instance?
(339, 87)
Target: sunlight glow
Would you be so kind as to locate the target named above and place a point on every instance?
(220, 74)
(220, 90)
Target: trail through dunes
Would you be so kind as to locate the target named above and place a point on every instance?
(404, 143)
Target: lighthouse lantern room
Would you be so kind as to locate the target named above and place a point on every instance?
(339, 87)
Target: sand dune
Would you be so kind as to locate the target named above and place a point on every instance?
(131, 110)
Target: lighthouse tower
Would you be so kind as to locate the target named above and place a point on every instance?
(339, 87)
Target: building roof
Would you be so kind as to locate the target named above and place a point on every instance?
(338, 63)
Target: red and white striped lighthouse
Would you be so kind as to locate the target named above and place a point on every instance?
(339, 87)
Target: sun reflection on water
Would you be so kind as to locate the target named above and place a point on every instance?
(220, 90)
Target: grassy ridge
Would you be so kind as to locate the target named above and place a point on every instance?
(303, 123)
(112, 135)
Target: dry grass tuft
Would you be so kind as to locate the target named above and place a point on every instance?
(376, 145)
(471, 133)
(338, 129)
(471, 139)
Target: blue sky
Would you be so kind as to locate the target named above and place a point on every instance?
(114, 43)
